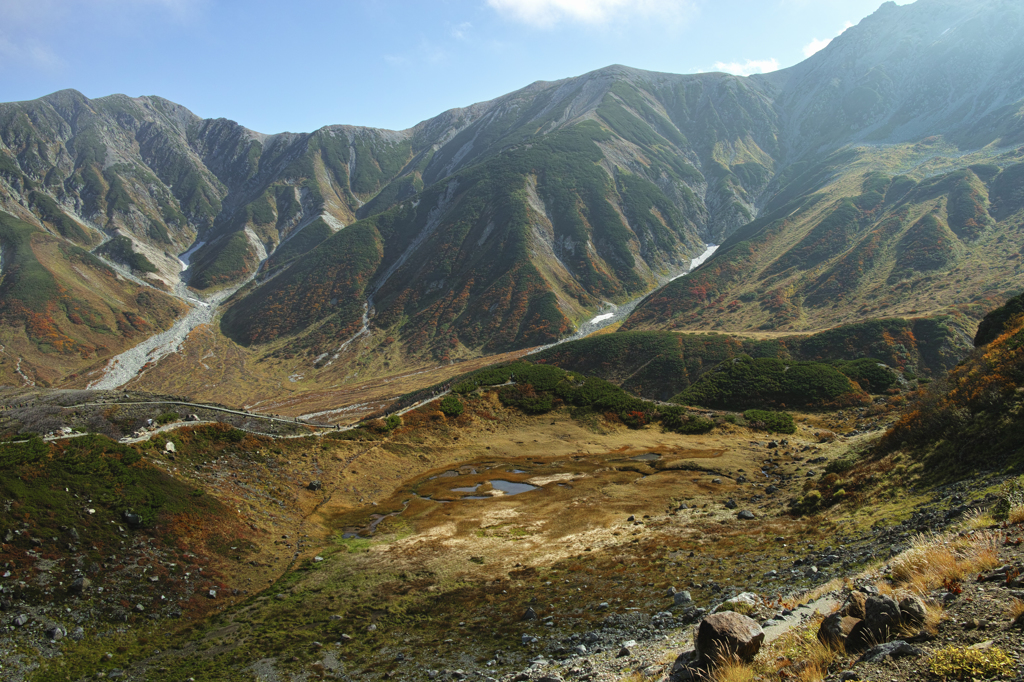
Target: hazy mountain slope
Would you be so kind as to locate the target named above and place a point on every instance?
(868, 243)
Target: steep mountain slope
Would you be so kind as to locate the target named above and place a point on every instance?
(60, 307)
(879, 177)
(900, 191)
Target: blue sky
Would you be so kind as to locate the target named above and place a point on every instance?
(295, 66)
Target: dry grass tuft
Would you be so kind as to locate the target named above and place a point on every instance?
(733, 670)
(1016, 611)
(799, 652)
(1016, 514)
(936, 560)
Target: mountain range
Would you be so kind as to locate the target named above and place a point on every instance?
(881, 177)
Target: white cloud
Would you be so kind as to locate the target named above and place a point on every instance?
(548, 13)
(460, 31)
(815, 46)
(748, 67)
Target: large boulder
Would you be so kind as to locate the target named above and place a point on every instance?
(728, 634)
(855, 604)
(912, 612)
(836, 628)
(881, 617)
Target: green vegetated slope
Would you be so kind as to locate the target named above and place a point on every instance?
(659, 365)
(896, 246)
(846, 187)
(747, 382)
(972, 419)
(61, 308)
(464, 265)
(537, 389)
(996, 322)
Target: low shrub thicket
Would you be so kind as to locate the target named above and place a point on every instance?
(773, 422)
(746, 382)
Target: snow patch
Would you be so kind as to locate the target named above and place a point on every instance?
(601, 318)
(185, 258)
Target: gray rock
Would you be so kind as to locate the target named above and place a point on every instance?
(79, 585)
(78, 634)
(912, 612)
(730, 504)
(881, 616)
(529, 614)
(682, 597)
(671, 591)
(21, 620)
(746, 515)
(55, 632)
(580, 650)
(895, 648)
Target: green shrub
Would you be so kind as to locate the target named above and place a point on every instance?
(773, 422)
(964, 663)
(526, 399)
(167, 418)
(392, 422)
(451, 406)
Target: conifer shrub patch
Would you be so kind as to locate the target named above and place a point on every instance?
(773, 422)
(451, 406)
(746, 382)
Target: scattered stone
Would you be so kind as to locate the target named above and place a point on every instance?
(716, 481)
(529, 614)
(728, 633)
(132, 519)
(671, 591)
(78, 634)
(212, 594)
(314, 486)
(912, 612)
(895, 648)
(682, 597)
(169, 446)
(79, 585)
(55, 632)
(730, 504)
(855, 604)
(318, 558)
(21, 620)
(580, 650)
(746, 515)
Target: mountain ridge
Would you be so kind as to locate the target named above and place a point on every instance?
(600, 188)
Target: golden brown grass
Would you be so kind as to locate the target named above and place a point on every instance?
(1016, 514)
(1015, 610)
(800, 652)
(733, 671)
(936, 560)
